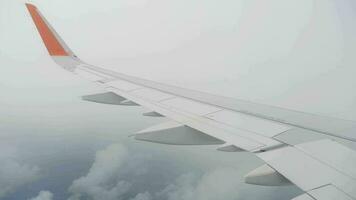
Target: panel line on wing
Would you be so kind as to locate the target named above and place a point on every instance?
(342, 164)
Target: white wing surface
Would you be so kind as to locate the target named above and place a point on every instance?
(324, 169)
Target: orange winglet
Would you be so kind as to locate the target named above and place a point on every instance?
(53, 46)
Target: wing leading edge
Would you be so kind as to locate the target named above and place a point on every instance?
(204, 119)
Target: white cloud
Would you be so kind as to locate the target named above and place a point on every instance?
(102, 180)
(14, 173)
(217, 184)
(43, 195)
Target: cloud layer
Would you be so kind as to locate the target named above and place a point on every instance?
(13, 172)
(105, 181)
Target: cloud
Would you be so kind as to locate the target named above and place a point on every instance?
(14, 173)
(216, 184)
(143, 196)
(43, 195)
(105, 181)
(102, 181)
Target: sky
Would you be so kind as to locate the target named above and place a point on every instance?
(295, 54)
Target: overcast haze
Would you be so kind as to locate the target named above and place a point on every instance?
(295, 54)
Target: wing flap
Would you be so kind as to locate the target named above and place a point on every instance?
(333, 154)
(329, 192)
(304, 166)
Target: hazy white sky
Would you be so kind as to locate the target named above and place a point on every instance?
(297, 54)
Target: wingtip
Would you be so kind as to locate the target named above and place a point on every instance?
(52, 42)
(30, 6)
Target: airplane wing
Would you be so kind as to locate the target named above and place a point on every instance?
(324, 169)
